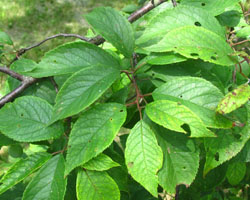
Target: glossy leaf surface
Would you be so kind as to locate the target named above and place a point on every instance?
(21, 169)
(198, 95)
(195, 42)
(143, 156)
(100, 163)
(214, 7)
(49, 182)
(93, 132)
(170, 19)
(82, 89)
(114, 28)
(173, 116)
(94, 185)
(28, 119)
(72, 57)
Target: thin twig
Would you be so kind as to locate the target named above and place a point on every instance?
(52, 80)
(142, 11)
(241, 42)
(174, 3)
(24, 50)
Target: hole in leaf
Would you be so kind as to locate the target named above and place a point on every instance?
(237, 136)
(121, 110)
(111, 119)
(203, 4)
(180, 96)
(194, 54)
(217, 156)
(197, 24)
(213, 58)
(184, 168)
(130, 164)
(21, 114)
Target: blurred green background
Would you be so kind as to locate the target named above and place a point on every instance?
(30, 21)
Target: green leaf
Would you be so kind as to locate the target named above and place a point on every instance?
(49, 182)
(199, 95)
(114, 27)
(171, 19)
(236, 172)
(5, 141)
(43, 89)
(5, 39)
(82, 89)
(173, 115)
(94, 185)
(164, 58)
(100, 163)
(93, 132)
(244, 32)
(181, 159)
(229, 18)
(214, 7)
(72, 57)
(143, 156)
(234, 99)
(28, 119)
(23, 65)
(195, 42)
(21, 169)
(228, 143)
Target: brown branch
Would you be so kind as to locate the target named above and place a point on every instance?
(241, 42)
(174, 3)
(11, 73)
(142, 11)
(27, 81)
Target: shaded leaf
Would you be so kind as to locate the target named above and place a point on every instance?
(94, 185)
(114, 27)
(82, 89)
(100, 163)
(228, 143)
(5, 38)
(181, 159)
(236, 172)
(173, 115)
(93, 132)
(143, 156)
(28, 119)
(49, 182)
(21, 169)
(234, 99)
